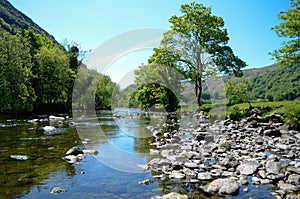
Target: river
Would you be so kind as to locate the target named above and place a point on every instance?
(122, 142)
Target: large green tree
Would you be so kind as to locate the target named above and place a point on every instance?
(197, 43)
(289, 28)
(159, 82)
(17, 94)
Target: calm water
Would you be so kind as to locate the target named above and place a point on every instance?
(122, 143)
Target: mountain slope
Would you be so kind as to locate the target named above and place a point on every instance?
(12, 20)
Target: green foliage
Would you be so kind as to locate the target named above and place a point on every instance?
(239, 91)
(17, 94)
(158, 82)
(197, 46)
(280, 84)
(290, 110)
(289, 28)
(104, 92)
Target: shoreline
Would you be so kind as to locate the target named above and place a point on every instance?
(220, 157)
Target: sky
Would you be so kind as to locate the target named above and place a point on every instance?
(91, 23)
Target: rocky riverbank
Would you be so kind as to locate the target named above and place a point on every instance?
(220, 157)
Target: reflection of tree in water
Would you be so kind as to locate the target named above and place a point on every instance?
(17, 177)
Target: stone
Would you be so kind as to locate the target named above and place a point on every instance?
(294, 179)
(204, 176)
(172, 195)
(177, 175)
(20, 157)
(225, 186)
(272, 132)
(74, 151)
(287, 187)
(255, 180)
(57, 190)
(71, 159)
(273, 167)
(90, 152)
(191, 165)
(282, 146)
(248, 167)
(245, 189)
(146, 182)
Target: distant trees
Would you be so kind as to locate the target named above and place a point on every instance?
(239, 91)
(289, 28)
(38, 75)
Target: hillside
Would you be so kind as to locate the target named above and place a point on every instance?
(12, 20)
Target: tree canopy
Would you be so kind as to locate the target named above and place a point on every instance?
(289, 28)
(196, 46)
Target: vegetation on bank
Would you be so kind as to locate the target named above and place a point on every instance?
(290, 111)
(37, 74)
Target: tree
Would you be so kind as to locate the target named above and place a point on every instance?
(197, 45)
(53, 75)
(289, 28)
(239, 91)
(159, 82)
(17, 94)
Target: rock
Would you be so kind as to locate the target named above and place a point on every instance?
(265, 181)
(71, 159)
(272, 132)
(292, 196)
(172, 195)
(146, 182)
(154, 152)
(273, 167)
(53, 118)
(20, 157)
(223, 187)
(255, 180)
(287, 187)
(57, 190)
(90, 152)
(48, 128)
(75, 151)
(245, 189)
(294, 179)
(204, 176)
(282, 146)
(191, 165)
(248, 167)
(177, 175)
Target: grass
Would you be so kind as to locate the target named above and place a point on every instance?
(290, 110)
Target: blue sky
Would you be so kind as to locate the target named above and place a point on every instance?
(92, 22)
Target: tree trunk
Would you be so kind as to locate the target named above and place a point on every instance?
(198, 90)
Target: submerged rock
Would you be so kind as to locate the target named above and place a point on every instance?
(57, 190)
(20, 157)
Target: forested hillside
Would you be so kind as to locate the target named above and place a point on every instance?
(13, 20)
(37, 73)
(283, 83)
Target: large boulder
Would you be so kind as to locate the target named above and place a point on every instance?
(172, 195)
(225, 186)
(248, 167)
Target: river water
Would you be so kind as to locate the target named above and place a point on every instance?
(123, 143)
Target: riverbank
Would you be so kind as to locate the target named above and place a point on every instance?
(227, 157)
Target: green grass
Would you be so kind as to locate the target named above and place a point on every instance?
(290, 110)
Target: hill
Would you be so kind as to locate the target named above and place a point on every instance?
(12, 20)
